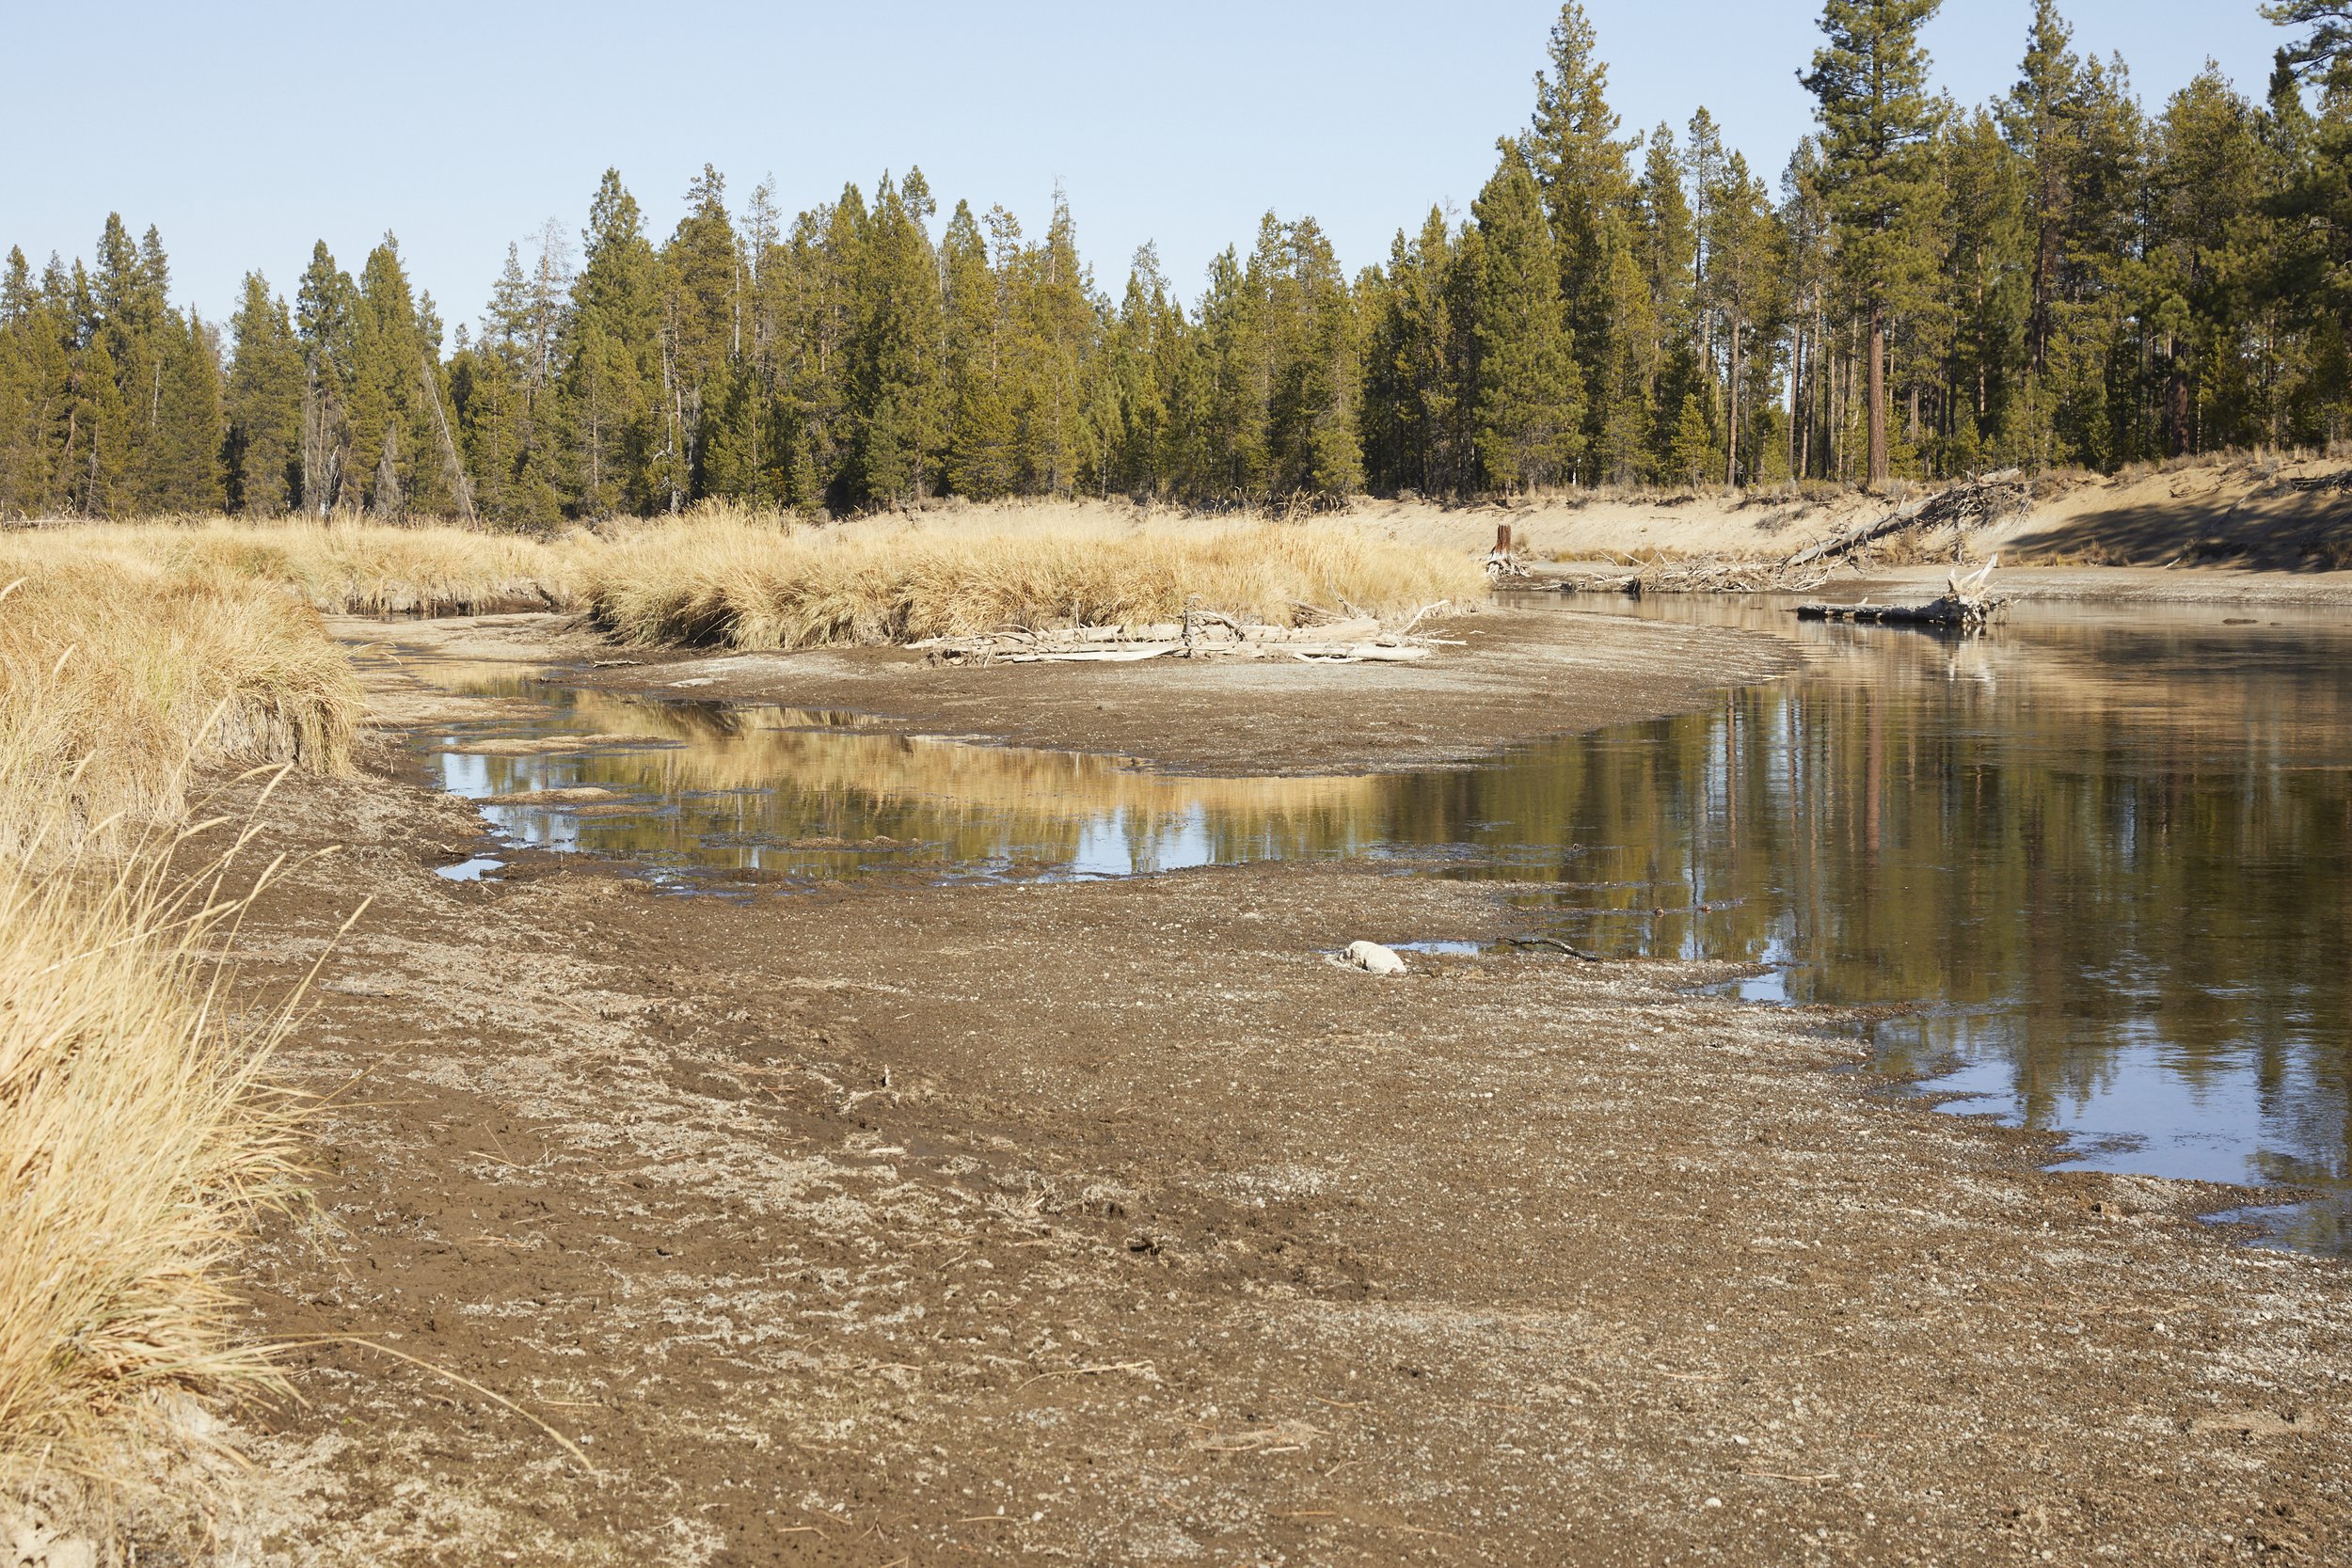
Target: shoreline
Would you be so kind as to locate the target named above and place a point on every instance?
(1520, 676)
(1109, 1221)
(2099, 585)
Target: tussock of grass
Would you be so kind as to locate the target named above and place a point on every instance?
(133, 1136)
(357, 569)
(116, 671)
(134, 1131)
(754, 584)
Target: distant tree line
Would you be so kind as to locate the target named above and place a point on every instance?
(2057, 277)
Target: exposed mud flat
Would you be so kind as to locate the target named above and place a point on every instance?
(1111, 1223)
(1516, 676)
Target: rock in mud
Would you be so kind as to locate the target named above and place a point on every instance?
(1373, 958)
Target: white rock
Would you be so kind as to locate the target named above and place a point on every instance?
(1377, 959)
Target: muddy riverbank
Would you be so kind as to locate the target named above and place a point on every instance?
(1515, 675)
(887, 1222)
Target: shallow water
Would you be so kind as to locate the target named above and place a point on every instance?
(2100, 857)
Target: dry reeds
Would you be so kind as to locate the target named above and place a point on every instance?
(750, 583)
(135, 1135)
(362, 569)
(722, 575)
(115, 672)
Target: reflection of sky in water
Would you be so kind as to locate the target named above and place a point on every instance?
(1112, 846)
(2108, 850)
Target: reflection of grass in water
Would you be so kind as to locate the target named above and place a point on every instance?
(2126, 839)
(784, 773)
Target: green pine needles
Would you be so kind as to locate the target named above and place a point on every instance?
(2063, 277)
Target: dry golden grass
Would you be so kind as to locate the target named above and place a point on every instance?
(343, 566)
(759, 581)
(365, 569)
(116, 671)
(750, 583)
(134, 1131)
(135, 1136)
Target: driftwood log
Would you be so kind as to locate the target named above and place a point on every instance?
(1982, 500)
(1964, 606)
(1202, 634)
(1704, 575)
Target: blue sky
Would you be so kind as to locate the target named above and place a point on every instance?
(245, 132)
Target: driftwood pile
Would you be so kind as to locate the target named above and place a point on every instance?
(1202, 634)
(1964, 606)
(1963, 506)
(1710, 574)
(1972, 505)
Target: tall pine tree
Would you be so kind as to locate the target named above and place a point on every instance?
(1529, 406)
(1870, 80)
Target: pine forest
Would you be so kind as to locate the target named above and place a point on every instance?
(2062, 278)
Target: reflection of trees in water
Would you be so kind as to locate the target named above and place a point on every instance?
(2085, 842)
(2075, 839)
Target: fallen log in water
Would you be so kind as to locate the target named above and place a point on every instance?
(1964, 606)
(1320, 653)
(1969, 615)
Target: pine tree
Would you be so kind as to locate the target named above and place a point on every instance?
(1986, 283)
(1529, 404)
(611, 359)
(1059, 321)
(701, 282)
(502, 394)
(1415, 365)
(1690, 456)
(1308, 370)
(264, 405)
(38, 337)
(189, 428)
(2206, 246)
(2323, 51)
(2042, 116)
(1876, 115)
(1666, 249)
(894, 353)
(1585, 173)
(1132, 400)
(1749, 274)
(324, 323)
(979, 319)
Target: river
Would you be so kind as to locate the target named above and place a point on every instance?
(2093, 862)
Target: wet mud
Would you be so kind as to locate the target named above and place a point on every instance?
(874, 1221)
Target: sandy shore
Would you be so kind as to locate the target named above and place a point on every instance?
(1112, 1224)
(2149, 585)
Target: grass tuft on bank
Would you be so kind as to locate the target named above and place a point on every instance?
(135, 1135)
(135, 1130)
(746, 582)
(118, 670)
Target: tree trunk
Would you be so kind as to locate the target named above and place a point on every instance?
(1878, 396)
(1731, 431)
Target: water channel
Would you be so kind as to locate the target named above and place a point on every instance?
(2098, 858)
